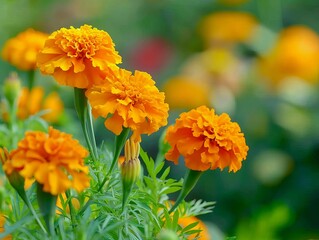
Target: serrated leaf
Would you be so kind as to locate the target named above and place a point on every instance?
(159, 167)
(168, 190)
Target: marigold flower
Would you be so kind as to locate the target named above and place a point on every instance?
(78, 57)
(206, 140)
(295, 54)
(227, 27)
(50, 159)
(133, 100)
(180, 99)
(32, 101)
(202, 235)
(21, 51)
(54, 105)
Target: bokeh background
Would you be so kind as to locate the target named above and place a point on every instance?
(257, 60)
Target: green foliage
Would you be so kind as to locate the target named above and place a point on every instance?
(266, 224)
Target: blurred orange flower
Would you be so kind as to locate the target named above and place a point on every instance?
(21, 51)
(50, 159)
(227, 27)
(181, 99)
(202, 235)
(2, 221)
(295, 54)
(133, 100)
(32, 101)
(206, 140)
(78, 57)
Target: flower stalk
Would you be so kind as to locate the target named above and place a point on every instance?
(190, 180)
(31, 78)
(83, 110)
(119, 144)
(47, 205)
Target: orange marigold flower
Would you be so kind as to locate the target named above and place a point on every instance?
(21, 51)
(206, 140)
(295, 54)
(133, 100)
(202, 235)
(227, 27)
(32, 101)
(78, 57)
(50, 159)
(54, 105)
(180, 99)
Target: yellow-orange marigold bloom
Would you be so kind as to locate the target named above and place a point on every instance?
(206, 140)
(227, 27)
(32, 101)
(21, 51)
(295, 54)
(78, 57)
(130, 101)
(181, 99)
(202, 235)
(55, 160)
(54, 105)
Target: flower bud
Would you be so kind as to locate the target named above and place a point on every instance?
(12, 173)
(12, 88)
(130, 167)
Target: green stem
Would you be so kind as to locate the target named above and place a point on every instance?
(31, 78)
(36, 216)
(119, 144)
(13, 124)
(20, 190)
(47, 205)
(71, 207)
(190, 180)
(84, 113)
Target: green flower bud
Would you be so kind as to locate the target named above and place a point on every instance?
(130, 167)
(11, 88)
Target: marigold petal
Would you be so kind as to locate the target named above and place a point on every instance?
(114, 124)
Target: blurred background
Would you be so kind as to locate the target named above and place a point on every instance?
(257, 60)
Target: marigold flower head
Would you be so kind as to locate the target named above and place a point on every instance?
(32, 101)
(295, 54)
(181, 99)
(21, 51)
(187, 220)
(227, 27)
(55, 160)
(78, 57)
(206, 140)
(133, 100)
